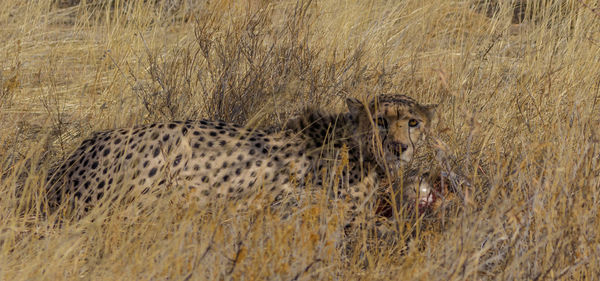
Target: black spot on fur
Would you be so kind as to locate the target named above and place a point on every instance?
(177, 160)
(152, 172)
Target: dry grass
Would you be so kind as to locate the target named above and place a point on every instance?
(519, 116)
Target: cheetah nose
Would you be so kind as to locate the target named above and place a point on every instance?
(398, 148)
(404, 147)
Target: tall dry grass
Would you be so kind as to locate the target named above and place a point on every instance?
(518, 116)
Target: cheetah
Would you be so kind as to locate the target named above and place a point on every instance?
(207, 160)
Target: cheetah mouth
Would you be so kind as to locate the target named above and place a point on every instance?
(392, 163)
(395, 158)
(396, 161)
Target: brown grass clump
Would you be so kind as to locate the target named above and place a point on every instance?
(518, 118)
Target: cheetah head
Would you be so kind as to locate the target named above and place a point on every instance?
(390, 127)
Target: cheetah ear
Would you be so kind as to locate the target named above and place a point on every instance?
(430, 111)
(354, 105)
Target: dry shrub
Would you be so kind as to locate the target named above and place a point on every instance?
(258, 63)
(529, 10)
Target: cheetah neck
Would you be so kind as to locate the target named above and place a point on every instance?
(326, 130)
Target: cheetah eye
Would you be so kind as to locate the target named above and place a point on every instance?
(413, 123)
(381, 123)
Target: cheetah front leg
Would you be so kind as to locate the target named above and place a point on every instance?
(360, 197)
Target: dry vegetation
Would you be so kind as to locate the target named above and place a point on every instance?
(519, 117)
